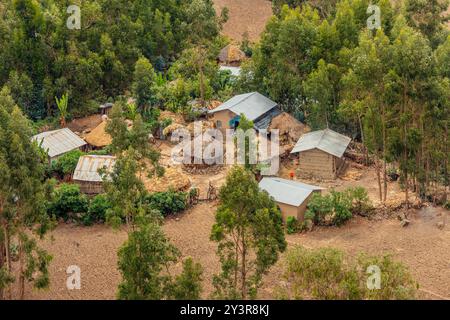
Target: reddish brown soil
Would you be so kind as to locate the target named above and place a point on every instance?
(423, 247)
(85, 124)
(248, 16)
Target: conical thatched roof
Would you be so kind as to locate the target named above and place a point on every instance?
(290, 128)
(98, 137)
(231, 54)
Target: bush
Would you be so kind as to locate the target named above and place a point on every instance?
(68, 201)
(361, 204)
(167, 203)
(292, 225)
(327, 273)
(98, 207)
(67, 163)
(331, 209)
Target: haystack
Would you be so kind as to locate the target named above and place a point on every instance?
(173, 179)
(290, 128)
(205, 126)
(214, 104)
(231, 54)
(176, 117)
(98, 136)
(171, 128)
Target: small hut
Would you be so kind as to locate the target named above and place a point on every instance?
(59, 142)
(106, 108)
(231, 55)
(292, 197)
(254, 106)
(87, 172)
(98, 138)
(321, 154)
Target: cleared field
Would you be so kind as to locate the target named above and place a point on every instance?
(245, 16)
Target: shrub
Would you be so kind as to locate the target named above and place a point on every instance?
(361, 204)
(292, 225)
(67, 163)
(342, 205)
(447, 205)
(319, 208)
(326, 273)
(331, 209)
(67, 201)
(98, 207)
(167, 203)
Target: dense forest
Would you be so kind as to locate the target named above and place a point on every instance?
(389, 87)
(42, 58)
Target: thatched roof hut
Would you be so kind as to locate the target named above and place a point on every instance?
(231, 54)
(98, 137)
(290, 128)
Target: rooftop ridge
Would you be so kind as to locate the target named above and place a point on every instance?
(248, 95)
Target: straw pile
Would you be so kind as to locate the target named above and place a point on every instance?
(176, 117)
(290, 128)
(171, 128)
(231, 54)
(205, 126)
(214, 104)
(173, 179)
(98, 136)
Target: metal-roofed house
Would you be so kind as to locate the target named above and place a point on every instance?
(105, 108)
(321, 153)
(58, 142)
(87, 172)
(292, 197)
(254, 106)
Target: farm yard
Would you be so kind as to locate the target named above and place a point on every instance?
(421, 246)
(225, 149)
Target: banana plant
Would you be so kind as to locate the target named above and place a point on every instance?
(62, 105)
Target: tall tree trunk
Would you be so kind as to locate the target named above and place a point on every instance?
(8, 256)
(378, 169)
(384, 155)
(243, 268)
(21, 271)
(363, 140)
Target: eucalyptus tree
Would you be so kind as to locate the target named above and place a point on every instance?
(249, 233)
(23, 202)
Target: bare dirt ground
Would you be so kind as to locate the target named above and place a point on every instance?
(85, 124)
(248, 16)
(423, 247)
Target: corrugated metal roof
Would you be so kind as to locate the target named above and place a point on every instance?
(264, 121)
(287, 191)
(58, 142)
(88, 167)
(253, 105)
(326, 140)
